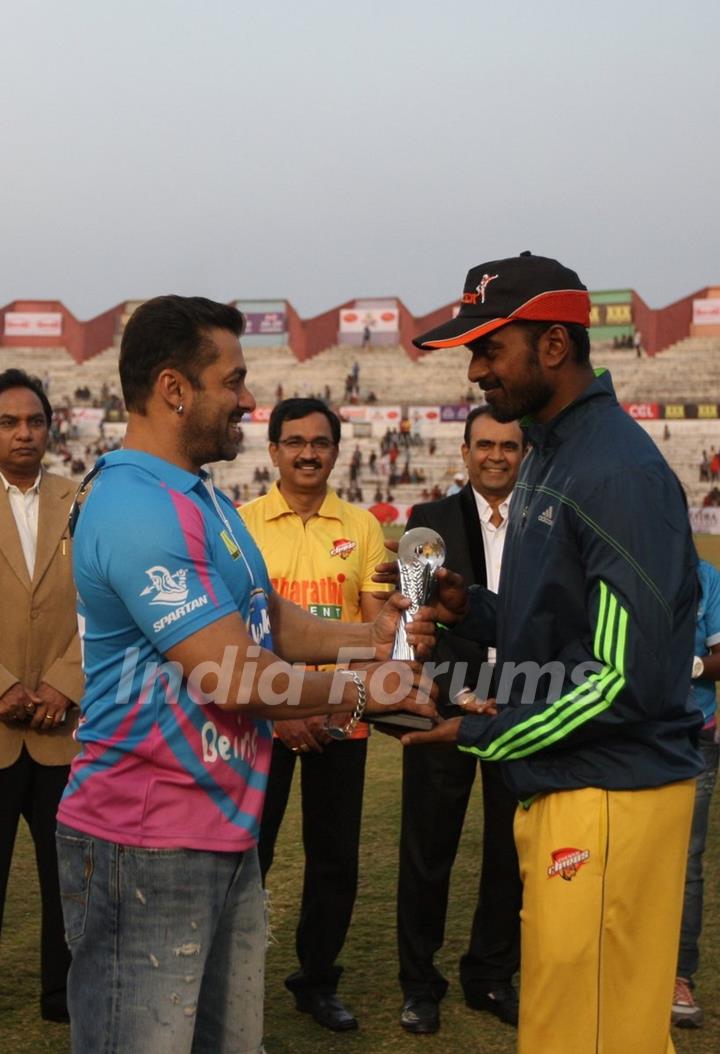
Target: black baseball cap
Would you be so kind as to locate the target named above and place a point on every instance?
(524, 287)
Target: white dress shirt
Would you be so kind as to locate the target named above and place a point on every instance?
(25, 505)
(493, 542)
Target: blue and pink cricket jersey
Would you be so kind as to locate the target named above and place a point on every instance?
(155, 560)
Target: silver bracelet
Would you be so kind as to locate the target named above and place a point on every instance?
(343, 731)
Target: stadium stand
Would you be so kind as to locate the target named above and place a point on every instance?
(685, 377)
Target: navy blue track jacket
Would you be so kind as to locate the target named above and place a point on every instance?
(599, 581)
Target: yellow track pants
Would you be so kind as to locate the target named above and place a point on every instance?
(603, 875)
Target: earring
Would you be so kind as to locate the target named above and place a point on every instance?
(179, 409)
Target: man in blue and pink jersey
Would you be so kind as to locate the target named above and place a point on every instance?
(157, 829)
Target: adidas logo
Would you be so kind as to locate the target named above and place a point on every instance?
(547, 516)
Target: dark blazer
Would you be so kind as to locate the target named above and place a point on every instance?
(456, 519)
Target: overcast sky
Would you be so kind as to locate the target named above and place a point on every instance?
(320, 150)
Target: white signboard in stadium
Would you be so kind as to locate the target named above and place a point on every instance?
(705, 520)
(706, 312)
(384, 415)
(33, 324)
(86, 419)
(431, 414)
(378, 320)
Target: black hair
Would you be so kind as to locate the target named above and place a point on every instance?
(19, 379)
(579, 336)
(171, 332)
(484, 411)
(294, 409)
(477, 411)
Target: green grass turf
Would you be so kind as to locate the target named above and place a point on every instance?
(369, 984)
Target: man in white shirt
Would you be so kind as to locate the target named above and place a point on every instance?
(40, 673)
(437, 780)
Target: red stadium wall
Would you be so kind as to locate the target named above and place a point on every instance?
(82, 340)
(423, 323)
(314, 334)
(662, 327)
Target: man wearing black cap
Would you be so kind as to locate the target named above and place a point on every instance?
(597, 601)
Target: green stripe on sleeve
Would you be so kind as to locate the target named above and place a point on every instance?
(584, 702)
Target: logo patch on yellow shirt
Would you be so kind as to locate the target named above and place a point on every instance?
(342, 547)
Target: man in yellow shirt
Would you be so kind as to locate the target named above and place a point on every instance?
(321, 553)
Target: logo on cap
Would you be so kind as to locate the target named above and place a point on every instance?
(472, 298)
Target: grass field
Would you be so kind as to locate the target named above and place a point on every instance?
(369, 984)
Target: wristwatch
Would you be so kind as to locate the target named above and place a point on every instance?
(698, 667)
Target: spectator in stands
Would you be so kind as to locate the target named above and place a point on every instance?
(372, 461)
(366, 337)
(715, 467)
(279, 393)
(378, 494)
(637, 343)
(40, 671)
(371, 398)
(666, 431)
(432, 446)
(457, 484)
(704, 468)
(705, 673)
(355, 374)
(327, 395)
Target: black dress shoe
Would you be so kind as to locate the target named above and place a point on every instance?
(502, 1001)
(54, 1012)
(420, 1015)
(327, 1010)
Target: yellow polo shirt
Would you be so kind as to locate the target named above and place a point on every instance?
(322, 565)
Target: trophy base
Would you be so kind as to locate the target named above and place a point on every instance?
(401, 719)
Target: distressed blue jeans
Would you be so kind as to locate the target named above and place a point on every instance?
(691, 927)
(168, 948)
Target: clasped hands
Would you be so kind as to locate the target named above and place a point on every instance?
(43, 709)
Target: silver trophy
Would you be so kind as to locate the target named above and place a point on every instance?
(420, 553)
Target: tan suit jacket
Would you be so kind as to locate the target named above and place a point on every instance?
(38, 625)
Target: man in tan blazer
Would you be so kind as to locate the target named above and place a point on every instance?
(40, 668)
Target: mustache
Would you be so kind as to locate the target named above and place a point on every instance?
(306, 464)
